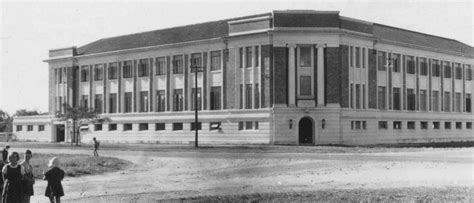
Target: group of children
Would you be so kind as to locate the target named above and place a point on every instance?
(17, 182)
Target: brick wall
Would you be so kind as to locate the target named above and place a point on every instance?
(280, 75)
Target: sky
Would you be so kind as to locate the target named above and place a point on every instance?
(30, 29)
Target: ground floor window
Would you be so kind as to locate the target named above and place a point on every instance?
(160, 126)
(397, 125)
(177, 126)
(383, 125)
(447, 125)
(40, 127)
(97, 127)
(29, 128)
(143, 126)
(411, 125)
(193, 126)
(468, 125)
(424, 125)
(112, 126)
(458, 125)
(436, 125)
(127, 127)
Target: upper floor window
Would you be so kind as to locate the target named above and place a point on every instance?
(84, 73)
(196, 59)
(127, 69)
(215, 60)
(98, 72)
(436, 69)
(410, 65)
(423, 67)
(363, 58)
(112, 71)
(468, 72)
(447, 70)
(357, 57)
(381, 60)
(305, 56)
(160, 66)
(396, 62)
(143, 68)
(215, 98)
(458, 72)
(178, 64)
(257, 55)
(248, 57)
(178, 100)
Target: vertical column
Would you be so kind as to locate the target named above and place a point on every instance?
(252, 76)
(243, 78)
(291, 75)
(119, 88)
(321, 82)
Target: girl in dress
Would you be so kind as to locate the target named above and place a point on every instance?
(12, 175)
(28, 178)
(54, 176)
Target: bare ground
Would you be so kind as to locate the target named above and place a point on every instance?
(277, 174)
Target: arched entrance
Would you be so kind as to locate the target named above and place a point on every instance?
(305, 131)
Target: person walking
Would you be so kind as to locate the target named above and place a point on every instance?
(28, 178)
(96, 146)
(5, 154)
(54, 176)
(12, 175)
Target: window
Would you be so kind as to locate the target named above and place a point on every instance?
(248, 125)
(85, 101)
(410, 65)
(435, 101)
(411, 99)
(383, 125)
(436, 69)
(352, 125)
(215, 100)
(423, 100)
(248, 57)
(29, 128)
(256, 125)
(98, 103)
(56, 76)
(257, 56)
(357, 57)
(144, 101)
(143, 68)
(397, 125)
(447, 70)
(127, 127)
(199, 99)
(436, 125)
(357, 125)
(112, 71)
(196, 59)
(447, 101)
(241, 125)
(351, 100)
(98, 72)
(257, 96)
(214, 126)
(84, 74)
(160, 66)
(128, 102)
(357, 96)
(127, 69)
(241, 96)
(215, 60)
(424, 125)
(411, 125)
(305, 85)
(396, 98)
(40, 127)
(193, 126)
(305, 56)
(112, 127)
(458, 74)
(113, 103)
(160, 126)
(363, 96)
(468, 125)
(177, 126)
(160, 101)
(396, 63)
(178, 100)
(178, 64)
(459, 125)
(64, 73)
(241, 57)
(98, 127)
(143, 126)
(19, 128)
(468, 72)
(423, 67)
(457, 102)
(363, 58)
(381, 97)
(381, 61)
(351, 56)
(447, 125)
(468, 102)
(248, 96)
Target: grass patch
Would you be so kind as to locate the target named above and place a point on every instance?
(77, 165)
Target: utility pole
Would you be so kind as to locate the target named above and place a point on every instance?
(196, 68)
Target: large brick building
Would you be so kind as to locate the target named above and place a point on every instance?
(285, 77)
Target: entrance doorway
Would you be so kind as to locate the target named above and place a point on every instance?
(305, 131)
(60, 133)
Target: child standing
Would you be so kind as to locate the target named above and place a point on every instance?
(96, 146)
(12, 175)
(28, 179)
(54, 176)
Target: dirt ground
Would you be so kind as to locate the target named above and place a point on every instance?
(276, 174)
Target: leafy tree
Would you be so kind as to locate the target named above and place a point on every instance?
(78, 116)
(24, 112)
(6, 122)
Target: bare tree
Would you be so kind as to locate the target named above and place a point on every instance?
(6, 122)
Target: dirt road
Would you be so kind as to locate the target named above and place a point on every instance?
(282, 175)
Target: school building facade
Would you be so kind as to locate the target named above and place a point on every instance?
(284, 77)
